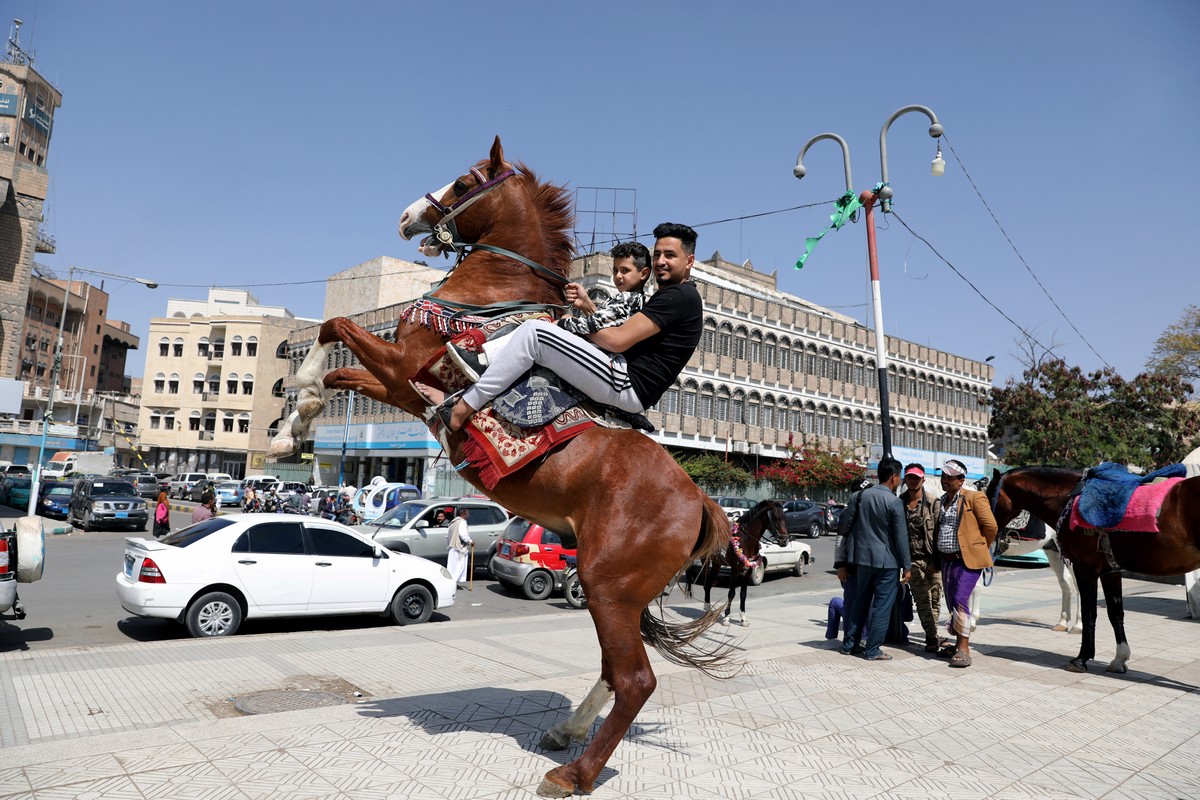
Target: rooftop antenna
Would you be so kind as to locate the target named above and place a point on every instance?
(15, 54)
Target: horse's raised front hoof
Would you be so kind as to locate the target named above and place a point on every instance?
(1076, 665)
(283, 445)
(1117, 669)
(309, 408)
(553, 786)
(554, 739)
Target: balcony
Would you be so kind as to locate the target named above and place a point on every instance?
(207, 436)
(208, 397)
(216, 355)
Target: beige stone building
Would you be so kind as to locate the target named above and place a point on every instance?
(27, 105)
(772, 368)
(213, 385)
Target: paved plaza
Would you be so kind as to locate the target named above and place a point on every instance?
(456, 709)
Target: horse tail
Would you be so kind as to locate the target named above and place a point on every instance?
(675, 640)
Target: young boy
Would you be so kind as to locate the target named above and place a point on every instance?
(630, 271)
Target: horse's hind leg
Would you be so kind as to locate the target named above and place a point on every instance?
(627, 670)
(1114, 602)
(1067, 621)
(1087, 612)
(575, 727)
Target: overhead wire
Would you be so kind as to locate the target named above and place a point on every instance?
(1020, 257)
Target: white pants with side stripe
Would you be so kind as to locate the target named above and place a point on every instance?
(601, 376)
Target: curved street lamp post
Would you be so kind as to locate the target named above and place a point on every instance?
(47, 417)
(883, 193)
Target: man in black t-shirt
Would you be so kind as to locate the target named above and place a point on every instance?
(628, 366)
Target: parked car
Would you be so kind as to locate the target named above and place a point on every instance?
(16, 471)
(793, 557)
(408, 528)
(14, 491)
(198, 489)
(734, 507)
(319, 494)
(147, 485)
(164, 481)
(530, 558)
(285, 490)
(215, 574)
(833, 516)
(804, 517)
(56, 499)
(104, 502)
(230, 494)
(181, 484)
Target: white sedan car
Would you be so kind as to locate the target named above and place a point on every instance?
(791, 557)
(213, 575)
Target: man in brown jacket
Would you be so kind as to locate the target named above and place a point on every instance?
(965, 530)
(926, 581)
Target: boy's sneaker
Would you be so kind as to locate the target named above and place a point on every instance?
(472, 364)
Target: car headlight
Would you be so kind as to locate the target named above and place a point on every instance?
(101, 507)
(47, 502)
(446, 574)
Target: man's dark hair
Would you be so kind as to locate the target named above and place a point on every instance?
(635, 250)
(674, 230)
(206, 498)
(887, 468)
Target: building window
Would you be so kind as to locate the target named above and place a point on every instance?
(160, 383)
(737, 409)
(706, 406)
(726, 341)
(244, 423)
(235, 346)
(164, 348)
(194, 421)
(721, 409)
(252, 346)
(689, 404)
(173, 384)
(247, 384)
(231, 383)
(155, 421)
(202, 347)
(768, 416)
(169, 421)
(227, 423)
(670, 402)
(198, 383)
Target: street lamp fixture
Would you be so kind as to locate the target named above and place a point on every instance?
(56, 367)
(883, 193)
(938, 167)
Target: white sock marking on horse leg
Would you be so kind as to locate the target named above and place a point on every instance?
(1123, 655)
(576, 726)
(312, 395)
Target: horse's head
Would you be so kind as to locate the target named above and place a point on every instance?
(766, 518)
(1042, 491)
(1002, 504)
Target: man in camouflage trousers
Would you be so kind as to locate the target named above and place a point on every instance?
(926, 581)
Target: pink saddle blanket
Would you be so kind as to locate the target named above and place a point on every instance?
(1141, 515)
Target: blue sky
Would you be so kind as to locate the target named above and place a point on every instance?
(248, 143)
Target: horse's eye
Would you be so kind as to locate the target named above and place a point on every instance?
(460, 188)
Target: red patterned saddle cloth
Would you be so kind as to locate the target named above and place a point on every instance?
(495, 447)
(1141, 515)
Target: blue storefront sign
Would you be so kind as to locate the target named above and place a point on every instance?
(38, 118)
(371, 436)
(8, 105)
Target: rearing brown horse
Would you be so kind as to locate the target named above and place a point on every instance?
(637, 515)
(1174, 550)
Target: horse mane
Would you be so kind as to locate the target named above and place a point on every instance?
(557, 219)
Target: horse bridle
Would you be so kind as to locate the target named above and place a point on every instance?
(446, 231)
(766, 509)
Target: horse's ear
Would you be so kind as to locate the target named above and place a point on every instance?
(496, 158)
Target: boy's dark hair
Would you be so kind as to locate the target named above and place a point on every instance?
(887, 468)
(635, 250)
(206, 498)
(675, 230)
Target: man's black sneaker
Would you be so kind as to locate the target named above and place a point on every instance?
(472, 364)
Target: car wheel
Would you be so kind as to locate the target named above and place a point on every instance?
(214, 614)
(814, 530)
(412, 605)
(758, 573)
(87, 522)
(538, 585)
(573, 592)
(801, 563)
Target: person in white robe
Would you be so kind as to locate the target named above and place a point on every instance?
(458, 547)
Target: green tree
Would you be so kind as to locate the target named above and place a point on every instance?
(713, 473)
(807, 468)
(1060, 415)
(1177, 351)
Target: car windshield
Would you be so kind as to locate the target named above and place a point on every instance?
(401, 515)
(60, 491)
(194, 533)
(111, 488)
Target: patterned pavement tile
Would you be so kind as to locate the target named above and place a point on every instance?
(13, 780)
(160, 756)
(191, 782)
(74, 770)
(115, 788)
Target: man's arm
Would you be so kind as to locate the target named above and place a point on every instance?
(626, 335)
(983, 513)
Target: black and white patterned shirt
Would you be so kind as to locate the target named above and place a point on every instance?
(947, 527)
(615, 312)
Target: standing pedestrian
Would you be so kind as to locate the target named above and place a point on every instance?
(458, 547)
(206, 508)
(926, 581)
(877, 549)
(162, 516)
(965, 532)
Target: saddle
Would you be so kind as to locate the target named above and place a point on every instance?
(1113, 498)
(537, 414)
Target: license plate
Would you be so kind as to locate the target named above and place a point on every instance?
(504, 548)
(122, 515)
(129, 566)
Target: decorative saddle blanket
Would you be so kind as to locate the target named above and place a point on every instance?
(1140, 514)
(1108, 490)
(525, 423)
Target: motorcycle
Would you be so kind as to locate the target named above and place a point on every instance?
(572, 588)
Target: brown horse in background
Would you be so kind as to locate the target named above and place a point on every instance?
(1174, 550)
(766, 518)
(638, 517)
